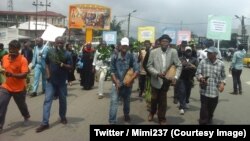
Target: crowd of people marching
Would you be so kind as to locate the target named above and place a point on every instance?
(56, 65)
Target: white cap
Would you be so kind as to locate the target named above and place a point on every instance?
(188, 48)
(125, 41)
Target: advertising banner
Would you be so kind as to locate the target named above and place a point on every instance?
(89, 16)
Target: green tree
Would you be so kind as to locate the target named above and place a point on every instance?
(115, 25)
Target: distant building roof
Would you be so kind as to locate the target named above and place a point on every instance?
(39, 13)
(50, 13)
(32, 25)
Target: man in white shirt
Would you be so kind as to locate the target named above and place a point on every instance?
(100, 67)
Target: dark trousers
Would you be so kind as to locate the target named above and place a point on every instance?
(159, 101)
(19, 99)
(208, 106)
(142, 83)
(184, 87)
(176, 95)
(236, 80)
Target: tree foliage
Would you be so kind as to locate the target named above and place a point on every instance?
(115, 25)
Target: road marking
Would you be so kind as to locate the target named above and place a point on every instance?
(230, 75)
(248, 82)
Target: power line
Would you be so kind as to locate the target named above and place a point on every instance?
(153, 21)
(120, 16)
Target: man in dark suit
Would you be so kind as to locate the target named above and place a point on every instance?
(27, 51)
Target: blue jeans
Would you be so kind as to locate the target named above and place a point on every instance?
(125, 93)
(39, 69)
(51, 89)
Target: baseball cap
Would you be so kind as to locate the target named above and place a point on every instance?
(125, 41)
(188, 48)
(212, 50)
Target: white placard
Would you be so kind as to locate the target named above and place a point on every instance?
(51, 33)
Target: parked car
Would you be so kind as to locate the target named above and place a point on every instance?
(246, 60)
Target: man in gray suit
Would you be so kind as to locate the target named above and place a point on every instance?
(159, 62)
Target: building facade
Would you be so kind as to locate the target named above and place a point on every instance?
(10, 18)
(15, 18)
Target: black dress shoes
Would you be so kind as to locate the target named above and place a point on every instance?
(64, 121)
(42, 128)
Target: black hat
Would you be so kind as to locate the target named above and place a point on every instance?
(165, 36)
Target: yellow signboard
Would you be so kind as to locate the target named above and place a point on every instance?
(89, 16)
(146, 33)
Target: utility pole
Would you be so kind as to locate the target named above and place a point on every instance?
(46, 11)
(243, 30)
(36, 4)
(244, 38)
(10, 5)
(129, 21)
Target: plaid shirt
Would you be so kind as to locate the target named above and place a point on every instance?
(216, 73)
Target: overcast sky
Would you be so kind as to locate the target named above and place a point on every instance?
(192, 14)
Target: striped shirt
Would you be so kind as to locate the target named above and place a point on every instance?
(216, 73)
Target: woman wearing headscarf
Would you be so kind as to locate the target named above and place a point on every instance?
(87, 73)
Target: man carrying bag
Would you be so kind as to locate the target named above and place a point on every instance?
(121, 64)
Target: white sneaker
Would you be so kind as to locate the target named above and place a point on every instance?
(25, 122)
(182, 111)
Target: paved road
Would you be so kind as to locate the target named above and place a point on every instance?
(84, 108)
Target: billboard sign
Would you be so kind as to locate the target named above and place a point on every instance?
(89, 16)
